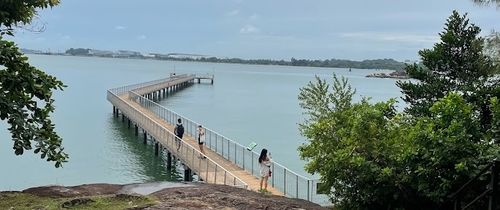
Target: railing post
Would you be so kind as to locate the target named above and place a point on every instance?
(215, 174)
(494, 185)
(272, 177)
(297, 186)
(284, 181)
(252, 164)
(308, 190)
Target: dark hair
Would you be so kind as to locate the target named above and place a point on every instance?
(179, 120)
(263, 155)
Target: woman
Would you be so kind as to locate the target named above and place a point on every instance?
(265, 168)
(201, 140)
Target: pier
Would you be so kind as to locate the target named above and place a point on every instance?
(227, 162)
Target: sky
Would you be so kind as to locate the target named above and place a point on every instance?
(268, 29)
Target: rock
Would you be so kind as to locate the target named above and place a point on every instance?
(195, 196)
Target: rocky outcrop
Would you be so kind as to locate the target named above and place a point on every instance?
(179, 196)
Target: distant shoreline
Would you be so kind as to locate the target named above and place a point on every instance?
(377, 64)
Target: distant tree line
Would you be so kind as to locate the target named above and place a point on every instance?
(78, 51)
(331, 63)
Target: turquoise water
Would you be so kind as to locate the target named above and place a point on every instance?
(246, 103)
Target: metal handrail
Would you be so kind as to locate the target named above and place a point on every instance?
(123, 89)
(482, 172)
(238, 148)
(137, 95)
(172, 134)
(492, 188)
(215, 132)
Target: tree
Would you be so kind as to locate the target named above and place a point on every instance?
(457, 63)
(371, 157)
(487, 2)
(492, 46)
(351, 145)
(26, 92)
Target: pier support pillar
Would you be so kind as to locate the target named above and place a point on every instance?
(129, 123)
(212, 81)
(114, 110)
(169, 161)
(199, 80)
(156, 148)
(188, 174)
(145, 137)
(136, 130)
(123, 117)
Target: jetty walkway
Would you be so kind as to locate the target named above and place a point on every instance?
(227, 162)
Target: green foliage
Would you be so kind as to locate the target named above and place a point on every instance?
(457, 63)
(78, 51)
(20, 12)
(350, 145)
(487, 2)
(371, 157)
(26, 92)
(447, 149)
(27, 201)
(492, 47)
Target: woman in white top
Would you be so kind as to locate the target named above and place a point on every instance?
(201, 140)
(265, 168)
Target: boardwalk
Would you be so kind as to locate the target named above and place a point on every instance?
(227, 161)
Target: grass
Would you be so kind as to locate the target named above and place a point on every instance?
(16, 201)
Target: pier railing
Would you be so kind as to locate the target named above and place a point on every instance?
(290, 183)
(287, 181)
(127, 88)
(207, 169)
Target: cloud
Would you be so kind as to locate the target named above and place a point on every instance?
(253, 17)
(120, 27)
(233, 13)
(249, 29)
(391, 37)
(141, 37)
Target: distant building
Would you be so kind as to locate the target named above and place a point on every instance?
(28, 51)
(127, 54)
(187, 56)
(100, 53)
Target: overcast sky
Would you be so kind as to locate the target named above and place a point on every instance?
(277, 29)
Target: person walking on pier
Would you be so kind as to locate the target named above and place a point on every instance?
(179, 132)
(265, 168)
(201, 140)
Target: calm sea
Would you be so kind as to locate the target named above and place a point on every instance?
(247, 103)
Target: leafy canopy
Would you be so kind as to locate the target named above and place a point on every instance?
(370, 156)
(25, 91)
(456, 64)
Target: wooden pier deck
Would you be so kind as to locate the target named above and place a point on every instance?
(214, 169)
